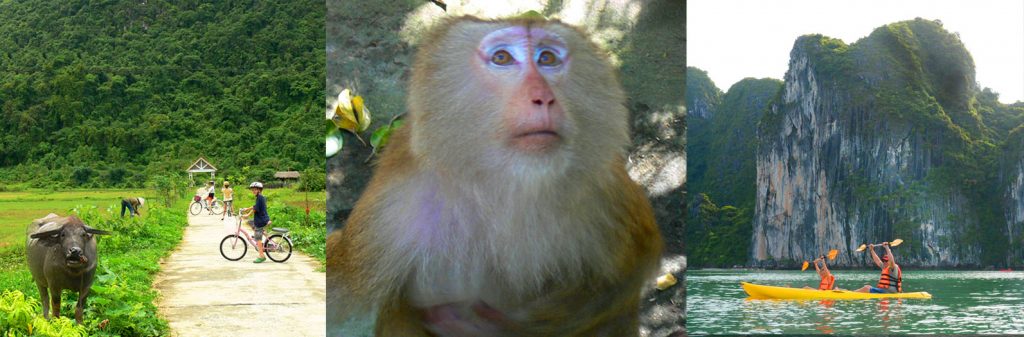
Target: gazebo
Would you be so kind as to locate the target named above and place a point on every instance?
(201, 166)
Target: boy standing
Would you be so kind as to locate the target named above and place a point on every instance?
(259, 218)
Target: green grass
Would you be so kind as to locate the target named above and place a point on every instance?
(122, 295)
(281, 196)
(18, 209)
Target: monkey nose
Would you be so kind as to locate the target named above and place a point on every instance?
(540, 95)
(541, 102)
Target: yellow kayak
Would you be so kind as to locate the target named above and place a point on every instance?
(761, 292)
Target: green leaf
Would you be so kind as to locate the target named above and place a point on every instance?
(334, 143)
(380, 137)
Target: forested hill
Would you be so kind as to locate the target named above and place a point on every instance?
(112, 93)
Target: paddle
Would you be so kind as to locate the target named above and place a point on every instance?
(831, 256)
(894, 243)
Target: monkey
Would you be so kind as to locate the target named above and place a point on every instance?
(503, 206)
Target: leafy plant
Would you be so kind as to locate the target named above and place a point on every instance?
(308, 231)
(312, 179)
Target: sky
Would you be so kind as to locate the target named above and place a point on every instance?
(734, 39)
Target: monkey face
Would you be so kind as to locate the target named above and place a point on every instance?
(518, 63)
(531, 98)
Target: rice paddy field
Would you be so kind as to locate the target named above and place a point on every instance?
(18, 209)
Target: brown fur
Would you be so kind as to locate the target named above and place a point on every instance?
(450, 219)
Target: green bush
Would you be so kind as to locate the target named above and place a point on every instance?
(308, 232)
(116, 176)
(81, 176)
(170, 187)
(313, 179)
(18, 317)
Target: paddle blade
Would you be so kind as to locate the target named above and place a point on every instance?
(832, 254)
(804, 267)
(895, 243)
(862, 248)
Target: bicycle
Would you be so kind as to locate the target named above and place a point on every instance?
(198, 204)
(277, 246)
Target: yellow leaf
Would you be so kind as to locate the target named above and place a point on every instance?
(361, 113)
(345, 99)
(665, 281)
(343, 115)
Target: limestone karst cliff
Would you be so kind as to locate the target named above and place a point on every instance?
(888, 137)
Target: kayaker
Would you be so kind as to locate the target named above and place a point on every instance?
(891, 280)
(828, 281)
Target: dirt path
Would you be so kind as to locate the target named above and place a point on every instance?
(203, 294)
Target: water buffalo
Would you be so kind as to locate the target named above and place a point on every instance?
(62, 255)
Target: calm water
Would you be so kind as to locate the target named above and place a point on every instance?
(962, 302)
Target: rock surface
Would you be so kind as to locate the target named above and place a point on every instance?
(875, 141)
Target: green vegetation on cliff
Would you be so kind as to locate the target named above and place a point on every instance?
(100, 93)
(721, 167)
(716, 236)
(702, 96)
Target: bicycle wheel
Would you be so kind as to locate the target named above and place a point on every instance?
(233, 247)
(195, 208)
(218, 207)
(278, 248)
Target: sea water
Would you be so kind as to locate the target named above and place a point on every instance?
(963, 302)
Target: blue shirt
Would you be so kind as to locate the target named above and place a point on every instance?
(260, 217)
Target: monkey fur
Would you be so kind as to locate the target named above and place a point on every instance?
(503, 207)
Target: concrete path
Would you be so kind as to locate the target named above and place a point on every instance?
(203, 294)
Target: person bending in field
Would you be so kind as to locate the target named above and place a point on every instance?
(891, 280)
(228, 194)
(828, 281)
(259, 218)
(132, 205)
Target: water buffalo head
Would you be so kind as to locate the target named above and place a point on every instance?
(74, 239)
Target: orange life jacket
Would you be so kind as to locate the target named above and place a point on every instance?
(887, 280)
(827, 283)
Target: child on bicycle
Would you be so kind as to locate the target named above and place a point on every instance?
(259, 218)
(210, 190)
(228, 195)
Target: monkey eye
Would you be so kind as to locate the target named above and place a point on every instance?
(501, 58)
(547, 58)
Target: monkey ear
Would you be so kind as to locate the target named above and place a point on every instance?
(91, 230)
